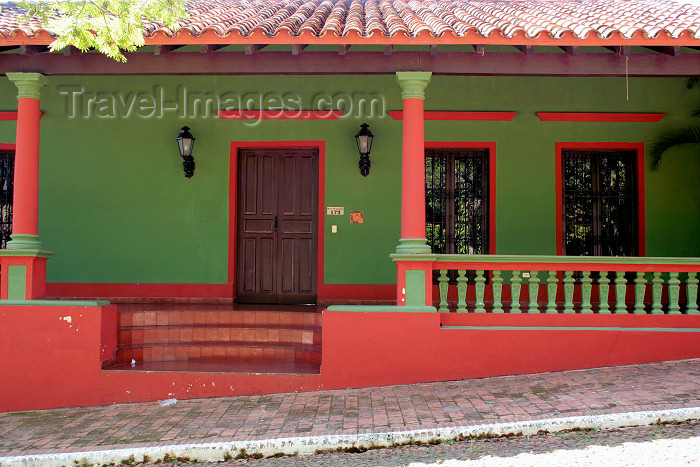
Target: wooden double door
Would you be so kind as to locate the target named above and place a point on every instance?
(277, 226)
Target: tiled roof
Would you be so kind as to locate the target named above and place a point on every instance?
(439, 21)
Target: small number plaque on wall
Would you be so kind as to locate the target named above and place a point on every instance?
(335, 211)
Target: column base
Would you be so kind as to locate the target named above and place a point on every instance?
(413, 245)
(24, 242)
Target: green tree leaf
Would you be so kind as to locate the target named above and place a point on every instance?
(109, 26)
(687, 135)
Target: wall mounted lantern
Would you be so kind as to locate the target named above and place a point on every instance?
(185, 142)
(364, 139)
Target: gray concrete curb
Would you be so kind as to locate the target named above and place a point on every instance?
(216, 452)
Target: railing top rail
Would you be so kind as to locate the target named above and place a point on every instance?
(542, 262)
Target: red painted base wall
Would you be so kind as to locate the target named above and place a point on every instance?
(371, 349)
(47, 360)
(50, 356)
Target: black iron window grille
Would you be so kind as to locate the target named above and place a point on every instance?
(600, 203)
(7, 176)
(457, 201)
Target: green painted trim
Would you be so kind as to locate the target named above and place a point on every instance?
(17, 282)
(565, 328)
(54, 302)
(641, 260)
(24, 242)
(413, 83)
(415, 288)
(412, 246)
(383, 308)
(28, 252)
(28, 84)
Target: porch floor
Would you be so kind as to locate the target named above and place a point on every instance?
(216, 337)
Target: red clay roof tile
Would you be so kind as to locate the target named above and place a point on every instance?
(236, 20)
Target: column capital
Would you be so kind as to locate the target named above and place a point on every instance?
(28, 84)
(413, 83)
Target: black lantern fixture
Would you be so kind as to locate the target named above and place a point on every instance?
(185, 142)
(364, 139)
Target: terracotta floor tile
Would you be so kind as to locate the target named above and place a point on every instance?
(149, 318)
(186, 335)
(175, 318)
(219, 353)
(187, 318)
(138, 318)
(162, 318)
(149, 336)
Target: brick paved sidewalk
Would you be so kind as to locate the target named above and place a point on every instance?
(660, 386)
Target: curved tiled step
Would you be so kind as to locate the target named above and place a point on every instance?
(211, 332)
(221, 366)
(214, 317)
(255, 352)
(205, 334)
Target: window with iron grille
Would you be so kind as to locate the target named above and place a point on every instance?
(600, 203)
(7, 171)
(457, 200)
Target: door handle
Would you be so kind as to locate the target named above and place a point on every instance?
(275, 223)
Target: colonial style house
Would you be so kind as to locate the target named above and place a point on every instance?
(293, 195)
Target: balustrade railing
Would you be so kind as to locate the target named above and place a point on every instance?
(566, 284)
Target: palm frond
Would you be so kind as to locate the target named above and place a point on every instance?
(687, 135)
(695, 112)
(692, 81)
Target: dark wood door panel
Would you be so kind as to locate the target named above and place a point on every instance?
(298, 277)
(278, 204)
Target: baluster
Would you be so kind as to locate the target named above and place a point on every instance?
(515, 282)
(674, 288)
(552, 292)
(656, 290)
(640, 287)
(497, 287)
(533, 286)
(603, 291)
(586, 288)
(479, 287)
(692, 292)
(620, 292)
(444, 286)
(568, 292)
(461, 291)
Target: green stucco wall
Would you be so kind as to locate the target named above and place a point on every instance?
(115, 206)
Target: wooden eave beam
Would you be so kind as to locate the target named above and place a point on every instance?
(623, 50)
(388, 49)
(161, 49)
(297, 49)
(25, 49)
(343, 49)
(251, 49)
(323, 63)
(433, 49)
(210, 48)
(524, 49)
(674, 51)
(570, 49)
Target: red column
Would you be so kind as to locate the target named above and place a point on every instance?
(413, 163)
(25, 209)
